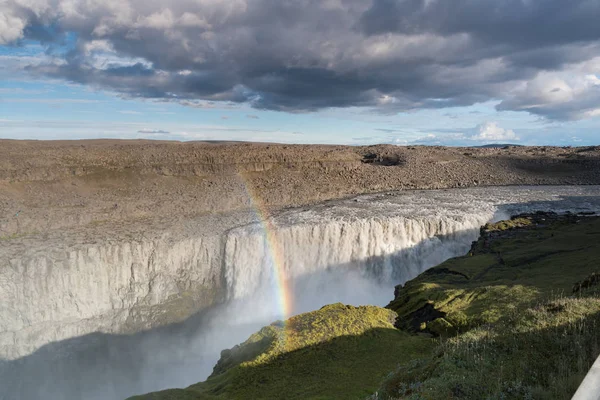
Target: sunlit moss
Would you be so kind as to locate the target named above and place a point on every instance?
(339, 351)
(520, 315)
(507, 224)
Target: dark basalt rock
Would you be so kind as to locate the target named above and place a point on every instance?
(592, 280)
(413, 321)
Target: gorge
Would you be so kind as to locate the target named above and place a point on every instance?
(124, 316)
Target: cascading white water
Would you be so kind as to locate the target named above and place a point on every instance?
(352, 251)
(382, 251)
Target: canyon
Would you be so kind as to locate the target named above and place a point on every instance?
(126, 267)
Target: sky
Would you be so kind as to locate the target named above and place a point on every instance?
(433, 72)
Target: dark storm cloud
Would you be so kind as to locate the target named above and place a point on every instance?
(305, 55)
(519, 23)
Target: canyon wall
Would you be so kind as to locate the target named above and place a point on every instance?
(131, 286)
(112, 288)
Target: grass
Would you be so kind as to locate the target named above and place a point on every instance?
(539, 352)
(517, 318)
(340, 352)
(507, 224)
(500, 275)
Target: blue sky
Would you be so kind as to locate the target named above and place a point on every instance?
(67, 86)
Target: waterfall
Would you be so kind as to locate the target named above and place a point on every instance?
(131, 286)
(388, 250)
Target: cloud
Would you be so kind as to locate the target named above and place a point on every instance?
(451, 116)
(448, 139)
(389, 130)
(487, 132)
(570, 95)
(130, 112)
(364, 138)
(386, 55)
(153, 131)
(492, 132)
(252, 116)
(57, 101)
(12, 26)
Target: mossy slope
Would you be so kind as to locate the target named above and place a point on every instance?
(521, 313)
(512, 264)
(339, 351)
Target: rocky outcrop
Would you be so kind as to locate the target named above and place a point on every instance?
(463, 293)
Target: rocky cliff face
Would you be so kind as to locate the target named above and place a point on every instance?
(112, 288)
(52, 293)
(54, 287)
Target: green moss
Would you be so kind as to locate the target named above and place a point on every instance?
(520, 313)
(339, 351)
(506, 273)
(539, 352)
(507, 224)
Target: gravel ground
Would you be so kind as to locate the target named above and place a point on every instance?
(101, 184)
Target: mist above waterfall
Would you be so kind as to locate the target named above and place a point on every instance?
(352, 251)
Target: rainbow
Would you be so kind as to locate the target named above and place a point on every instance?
(274, 250)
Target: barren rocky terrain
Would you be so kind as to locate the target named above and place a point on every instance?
(46, 186)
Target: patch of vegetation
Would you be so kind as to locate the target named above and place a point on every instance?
(339, 351)
(507, 224)
(538, 352)
(517, 318)
(592, 280)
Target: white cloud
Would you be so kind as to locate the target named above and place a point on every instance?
(570, 94)
(153, 131)
(389, 55)
(130, 112)
(491, 131)
(487, 132)
(11, 27)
